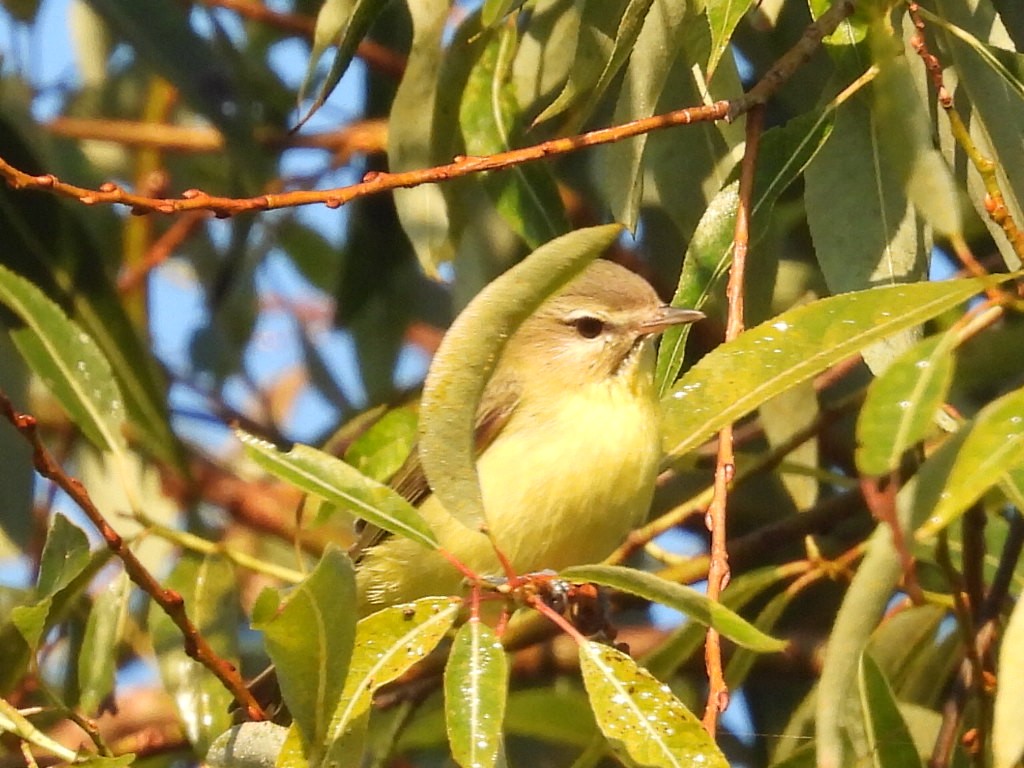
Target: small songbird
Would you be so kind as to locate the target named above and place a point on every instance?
(568, 439)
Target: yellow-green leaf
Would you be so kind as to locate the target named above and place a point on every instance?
(475, 693)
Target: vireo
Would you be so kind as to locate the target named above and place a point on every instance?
(568, 435)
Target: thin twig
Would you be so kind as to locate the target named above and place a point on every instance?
(725, 468)
(195, 645)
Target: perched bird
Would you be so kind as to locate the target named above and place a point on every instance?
(568, 438)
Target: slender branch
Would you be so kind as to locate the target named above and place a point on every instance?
(880, 495)
(196, 646)
(725, 468)
(374, 181)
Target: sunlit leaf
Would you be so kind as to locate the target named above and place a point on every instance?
(723, 16)
(956, 475)
(1007, 735)
(210, 591)
(97, 662)
(467, 357)
(680, 597)
(335, 481)
(387, 643)
(901, 404)
(738, 376)
(640, 716)
(476, 688)
(309, 634)
(888, 739)
(67, 360)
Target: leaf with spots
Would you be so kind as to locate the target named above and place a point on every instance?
(641, 718)
(475, 694)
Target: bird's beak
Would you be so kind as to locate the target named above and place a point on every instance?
(666, 317)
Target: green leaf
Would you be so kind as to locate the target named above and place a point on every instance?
(526, 196)
(987, 94)
(680, 597)
(494, 11)
(901, 404)
(249, 745)
(418, 135)
(67, 360)
(65, 556)
(468, 354)
(387, 644)
(1007, 735)
(865, 230)
(888, 738)
(983, 453)
(607, 33)
(785, 153)
(336, 482)
(475, 692)
(309, 635)
(97, 662)
(210, 591)
(738, 376)
(340, 23)
(380, 451)
(723, 16)
(644, 722)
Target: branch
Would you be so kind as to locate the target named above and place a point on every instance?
(196, 646)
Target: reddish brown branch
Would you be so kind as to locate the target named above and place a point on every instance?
(196, 646)
(725, 465)
(373, 182)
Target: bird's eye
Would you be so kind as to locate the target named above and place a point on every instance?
(589, 327)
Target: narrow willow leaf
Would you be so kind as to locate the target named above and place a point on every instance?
(210, 591)
(475, 694)
(680, 597)
(962, 470)
(738, 376)
(641, 718)
(901, 404)
(608, 29)
(417, 136)
(1007, 735)
(723, 16)
(380, 451)
(97, 661)
(387, 644)
(494, 11)
(986, 84)
(340, 23)
(785, 153)
(525, 196)
(468, 354)
(67, 360)
(309, 635)
(888, 738)
(336, 482)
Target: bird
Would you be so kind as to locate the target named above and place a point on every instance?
(568, 446)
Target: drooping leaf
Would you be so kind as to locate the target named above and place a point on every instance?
(67, 360)
(467, 357)
(335, 481)
(785, 152)
(526, 196)
(1007, 735)
(641, 718)
(680, 597)
(956, 475)
(414, 138)
(97, 662)
(309, 634)
(210, 591)
(723, 16)
(387, 643)
(342, 24)
(888, 739)
(738, 376)
(901, 404)
(476, 689)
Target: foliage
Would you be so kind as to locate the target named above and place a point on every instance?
(228, 393)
